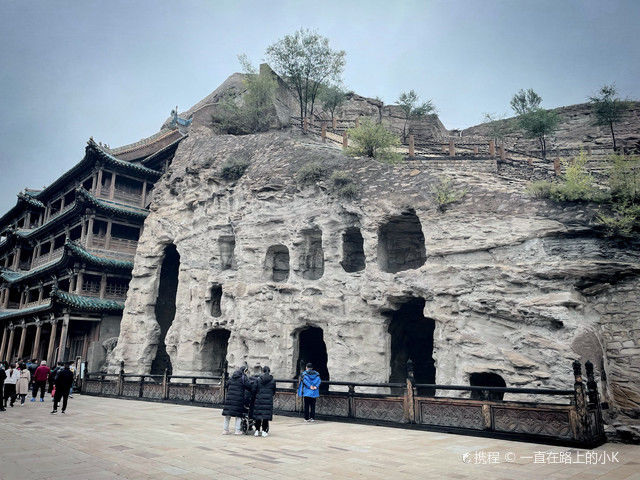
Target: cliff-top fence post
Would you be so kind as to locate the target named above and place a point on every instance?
(409, 401)
(357, 122)
(305, 125)
(352, 392)
(503, 154)
(121, 379)
(589, 150)
(334, 124)
(556, 166)
(324, 132)
(475, 150)
(412, 150)
(452, 148)
(345, 140)
(492, 148)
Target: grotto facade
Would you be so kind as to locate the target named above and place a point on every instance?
(497, 289)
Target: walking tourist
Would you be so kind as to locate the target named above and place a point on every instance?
(32, 366)
(40, 378)
(234, 403)
(22, 385)
(263, 408)
(3, 375)
(308, 390)
(54, 373)
(63, 383)
(10, 385)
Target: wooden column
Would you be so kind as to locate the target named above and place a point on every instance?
(35, 351)
(94, 182)
(492, 148)
(412, 150)
(143, 199)
(16, 259)
(103, 285)
(452, 148)
(51, 349)
(23, 295)
(23, 338)
(345, 140)
(89, 235)
(5, 302)
(112, 187)
(323, 132)
(3, 346)
(107, 238)
(12, 330)
(62, 354)
(85, 347)
(79, 282)
(72, 283)
(40, 293)
(99, 183)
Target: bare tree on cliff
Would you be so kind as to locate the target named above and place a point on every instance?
(607, 108)
(534, 120)
(408, 102)
(305, 61)
(498, 128)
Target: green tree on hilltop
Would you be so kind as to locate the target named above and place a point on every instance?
(607, 108)
(408, 103)
(306, 62)
(535, 121)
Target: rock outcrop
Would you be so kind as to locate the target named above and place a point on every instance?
(496, 283)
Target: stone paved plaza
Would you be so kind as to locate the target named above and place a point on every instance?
(103, 438)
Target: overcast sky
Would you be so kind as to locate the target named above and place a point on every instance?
(114, 69)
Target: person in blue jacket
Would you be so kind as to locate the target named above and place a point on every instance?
(308, 389)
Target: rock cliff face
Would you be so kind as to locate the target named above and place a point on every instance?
(266, 271)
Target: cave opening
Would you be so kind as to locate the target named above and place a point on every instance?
(312, 349)
(214, 351)
(353, 259)
(401, 243)
(276, 263)
(216, 300)
(312, 255)
(486, 379)
(165, 309)
(412, 338)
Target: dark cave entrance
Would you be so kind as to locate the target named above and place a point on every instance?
(353, 259)
(412, 338)
(312, 349)
(486, 379)
(165, 308)
(214, 351)
(401, 243)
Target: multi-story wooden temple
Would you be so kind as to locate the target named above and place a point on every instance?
(66, 252)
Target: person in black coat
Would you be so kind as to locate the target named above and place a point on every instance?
(263, 407)
(234, 402)
(63, 383)
(3, 375)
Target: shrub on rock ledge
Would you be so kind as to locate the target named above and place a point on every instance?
(234, 168)
(445, 194)
(310, 174)
(372, 139)
(343, 185)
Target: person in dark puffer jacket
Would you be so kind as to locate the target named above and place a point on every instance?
(263, 408)
(234, 402)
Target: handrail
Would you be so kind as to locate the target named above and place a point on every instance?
(475, 388)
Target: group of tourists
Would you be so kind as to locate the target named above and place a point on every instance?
(250, 399)
(19, 379)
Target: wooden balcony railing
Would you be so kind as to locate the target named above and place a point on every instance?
(48, 257)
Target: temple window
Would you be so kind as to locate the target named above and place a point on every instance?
(91, 285)
(116, 287)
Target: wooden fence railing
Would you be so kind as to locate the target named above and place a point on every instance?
(575, 420)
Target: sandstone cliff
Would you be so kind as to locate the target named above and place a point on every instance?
(510, 285)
